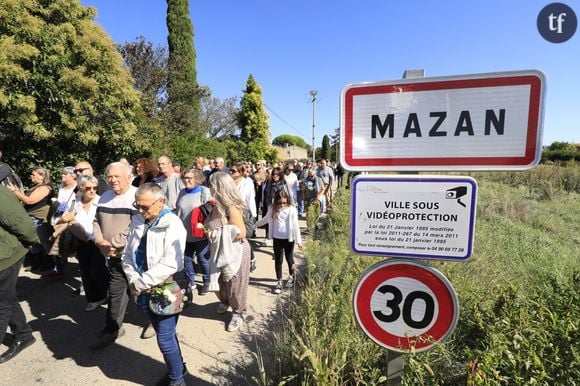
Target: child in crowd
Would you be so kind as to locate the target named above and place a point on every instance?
(282, 220)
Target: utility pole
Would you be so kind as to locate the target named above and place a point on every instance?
(313, 99)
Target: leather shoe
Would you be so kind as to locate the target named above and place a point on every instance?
(15, 348)
(106, 338)
(148, 332)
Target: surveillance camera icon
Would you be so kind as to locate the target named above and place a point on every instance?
(456, 194)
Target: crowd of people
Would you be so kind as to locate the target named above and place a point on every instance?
(146, 224)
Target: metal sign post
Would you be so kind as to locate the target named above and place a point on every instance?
(395, 367)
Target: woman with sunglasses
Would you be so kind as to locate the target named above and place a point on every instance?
(92, 263)
(194, 195)
(276, 183)
(282, 220)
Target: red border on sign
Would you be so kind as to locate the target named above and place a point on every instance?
(533, 121)
(445, 300)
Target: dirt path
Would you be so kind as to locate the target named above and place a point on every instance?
(63, 331)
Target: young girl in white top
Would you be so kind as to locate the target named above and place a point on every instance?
(282, 220)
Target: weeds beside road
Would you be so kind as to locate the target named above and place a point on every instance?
(518, 295)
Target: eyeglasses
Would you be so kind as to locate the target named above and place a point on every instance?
(87, 188)
(80, 170)
(144, 207)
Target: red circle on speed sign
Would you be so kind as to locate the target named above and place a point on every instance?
(405, 304)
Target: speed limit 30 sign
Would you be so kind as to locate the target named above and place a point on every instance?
(404, 305)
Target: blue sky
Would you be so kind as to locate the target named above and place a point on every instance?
(292, 47)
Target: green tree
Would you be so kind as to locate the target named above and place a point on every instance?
(325, 152)
(565, 146)
(253, 122)
(148, 66)
(218, 118)
(64, 93)
(287, 139)
(183, 110)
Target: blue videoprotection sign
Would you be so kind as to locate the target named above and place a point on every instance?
(427, 217)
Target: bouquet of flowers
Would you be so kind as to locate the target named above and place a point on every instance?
(167, 298)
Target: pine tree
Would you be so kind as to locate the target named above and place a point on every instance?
(183, 110)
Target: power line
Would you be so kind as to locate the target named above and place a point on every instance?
(283, 120)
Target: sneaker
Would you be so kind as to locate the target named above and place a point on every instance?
(278, 288)
(80, 291)
(252, 265)
(165, 381)
(148, 332)
(94, 305)
(222, 308)
(290, 281)
(236, 322)
(106, 338)
(204, 290)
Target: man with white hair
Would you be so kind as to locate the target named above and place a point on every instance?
(169, 181)
(220, 166)
(110, 230)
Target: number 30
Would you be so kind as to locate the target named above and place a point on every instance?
(393, 305)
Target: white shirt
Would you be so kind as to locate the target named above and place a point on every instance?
(65, 198)
(293, 187)
(280, 229)
(86, 219)
(246, 188)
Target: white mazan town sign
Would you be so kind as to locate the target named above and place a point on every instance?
(468, 122)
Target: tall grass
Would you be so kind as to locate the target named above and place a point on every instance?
(519, 309)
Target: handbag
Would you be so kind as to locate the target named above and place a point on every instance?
(170, 297)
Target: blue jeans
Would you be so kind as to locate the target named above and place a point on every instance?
(165, 327)
(201, 250)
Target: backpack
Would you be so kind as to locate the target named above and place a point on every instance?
(199, 214)
(249, 221)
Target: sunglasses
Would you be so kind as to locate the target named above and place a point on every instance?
(145, 208)
(88, 188)
(80, 170)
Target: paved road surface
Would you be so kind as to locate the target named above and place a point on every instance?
(63, 331)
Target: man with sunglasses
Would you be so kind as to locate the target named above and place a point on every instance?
(111, 228)
(83, 168)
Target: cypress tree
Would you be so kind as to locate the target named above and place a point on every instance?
(183, 91)
(253, 122)
(325, 153)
